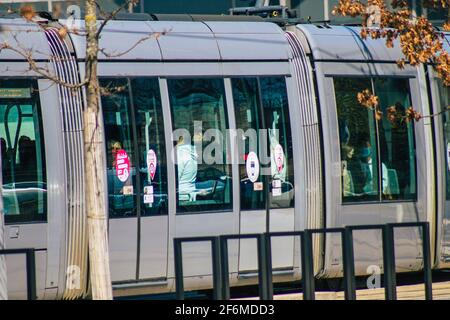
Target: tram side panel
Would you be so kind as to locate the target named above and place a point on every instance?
(388, 154)
(25, 160)
(375, 172)
(441, 98)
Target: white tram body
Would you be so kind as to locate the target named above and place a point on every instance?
(300, 83)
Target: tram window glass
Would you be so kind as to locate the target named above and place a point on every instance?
(151, 146)
(201, 150)
(444, 95)
(276, 116)
(121, 173)
(248, 122)
(396, 140)
(357, 133)
(22, 152)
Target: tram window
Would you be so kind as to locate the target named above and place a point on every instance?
(357, 133)
(273, 145)
(121, 173)
(248, 122)
(397, 148)
(394, 177)
(201, 150)
(151, 146)
(22, 152)
(276, 115)
(444, 96)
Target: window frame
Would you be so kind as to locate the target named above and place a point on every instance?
(380, 199)
(138, 189)
(227, 138)
(33, 81)
(262, 122)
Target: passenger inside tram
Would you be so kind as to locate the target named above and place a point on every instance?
(368, 172)
(187, 169)
(348, 164)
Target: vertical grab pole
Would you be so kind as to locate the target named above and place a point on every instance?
(427, 261)
(217, 282)
(224, 268)
(390, 283)
(349, 264)
(31, 274)
(178, 269)
(307, 266)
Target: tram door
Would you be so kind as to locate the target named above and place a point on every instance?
(202, 169)
(137, 179)
(24, 181)
(265, 149)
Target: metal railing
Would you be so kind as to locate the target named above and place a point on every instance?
(220, 267)
(30, 268)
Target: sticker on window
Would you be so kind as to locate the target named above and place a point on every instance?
(252, 167)
(152, 162)
(122, 165)
(148, 198)
(279, 157)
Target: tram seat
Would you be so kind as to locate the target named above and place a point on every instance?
(393, 182)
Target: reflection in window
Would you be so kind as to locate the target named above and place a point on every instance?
(22, 151)
(278, 125)
(272, 145)
(444, 96)
(151, 146)
(377, 157)
(121, 173)
(201, 151)
(357, 133)
(248, 122)
(397, 149)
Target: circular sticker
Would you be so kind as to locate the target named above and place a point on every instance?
(152, 162)
(252, 167)
(279, 157)
(122, 165)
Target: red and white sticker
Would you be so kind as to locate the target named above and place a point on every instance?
(122, 165)
(152, 162)
(279, 157)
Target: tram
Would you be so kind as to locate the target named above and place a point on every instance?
(177, 164)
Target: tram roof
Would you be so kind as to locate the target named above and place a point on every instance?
(204, 41)
(190, 41)
(23, 36)
(328, 42)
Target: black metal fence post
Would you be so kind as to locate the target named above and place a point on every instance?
(216, 267)
(263, 272)
(427, 261)
(220, 261)
(30, 262)
(178, 269)
(348, 264)
(31, 274)
(268, 248)
(307, 266)
(224, 267)
(390, 283)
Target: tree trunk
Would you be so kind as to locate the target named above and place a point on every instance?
(94, 168)
(3, 283)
